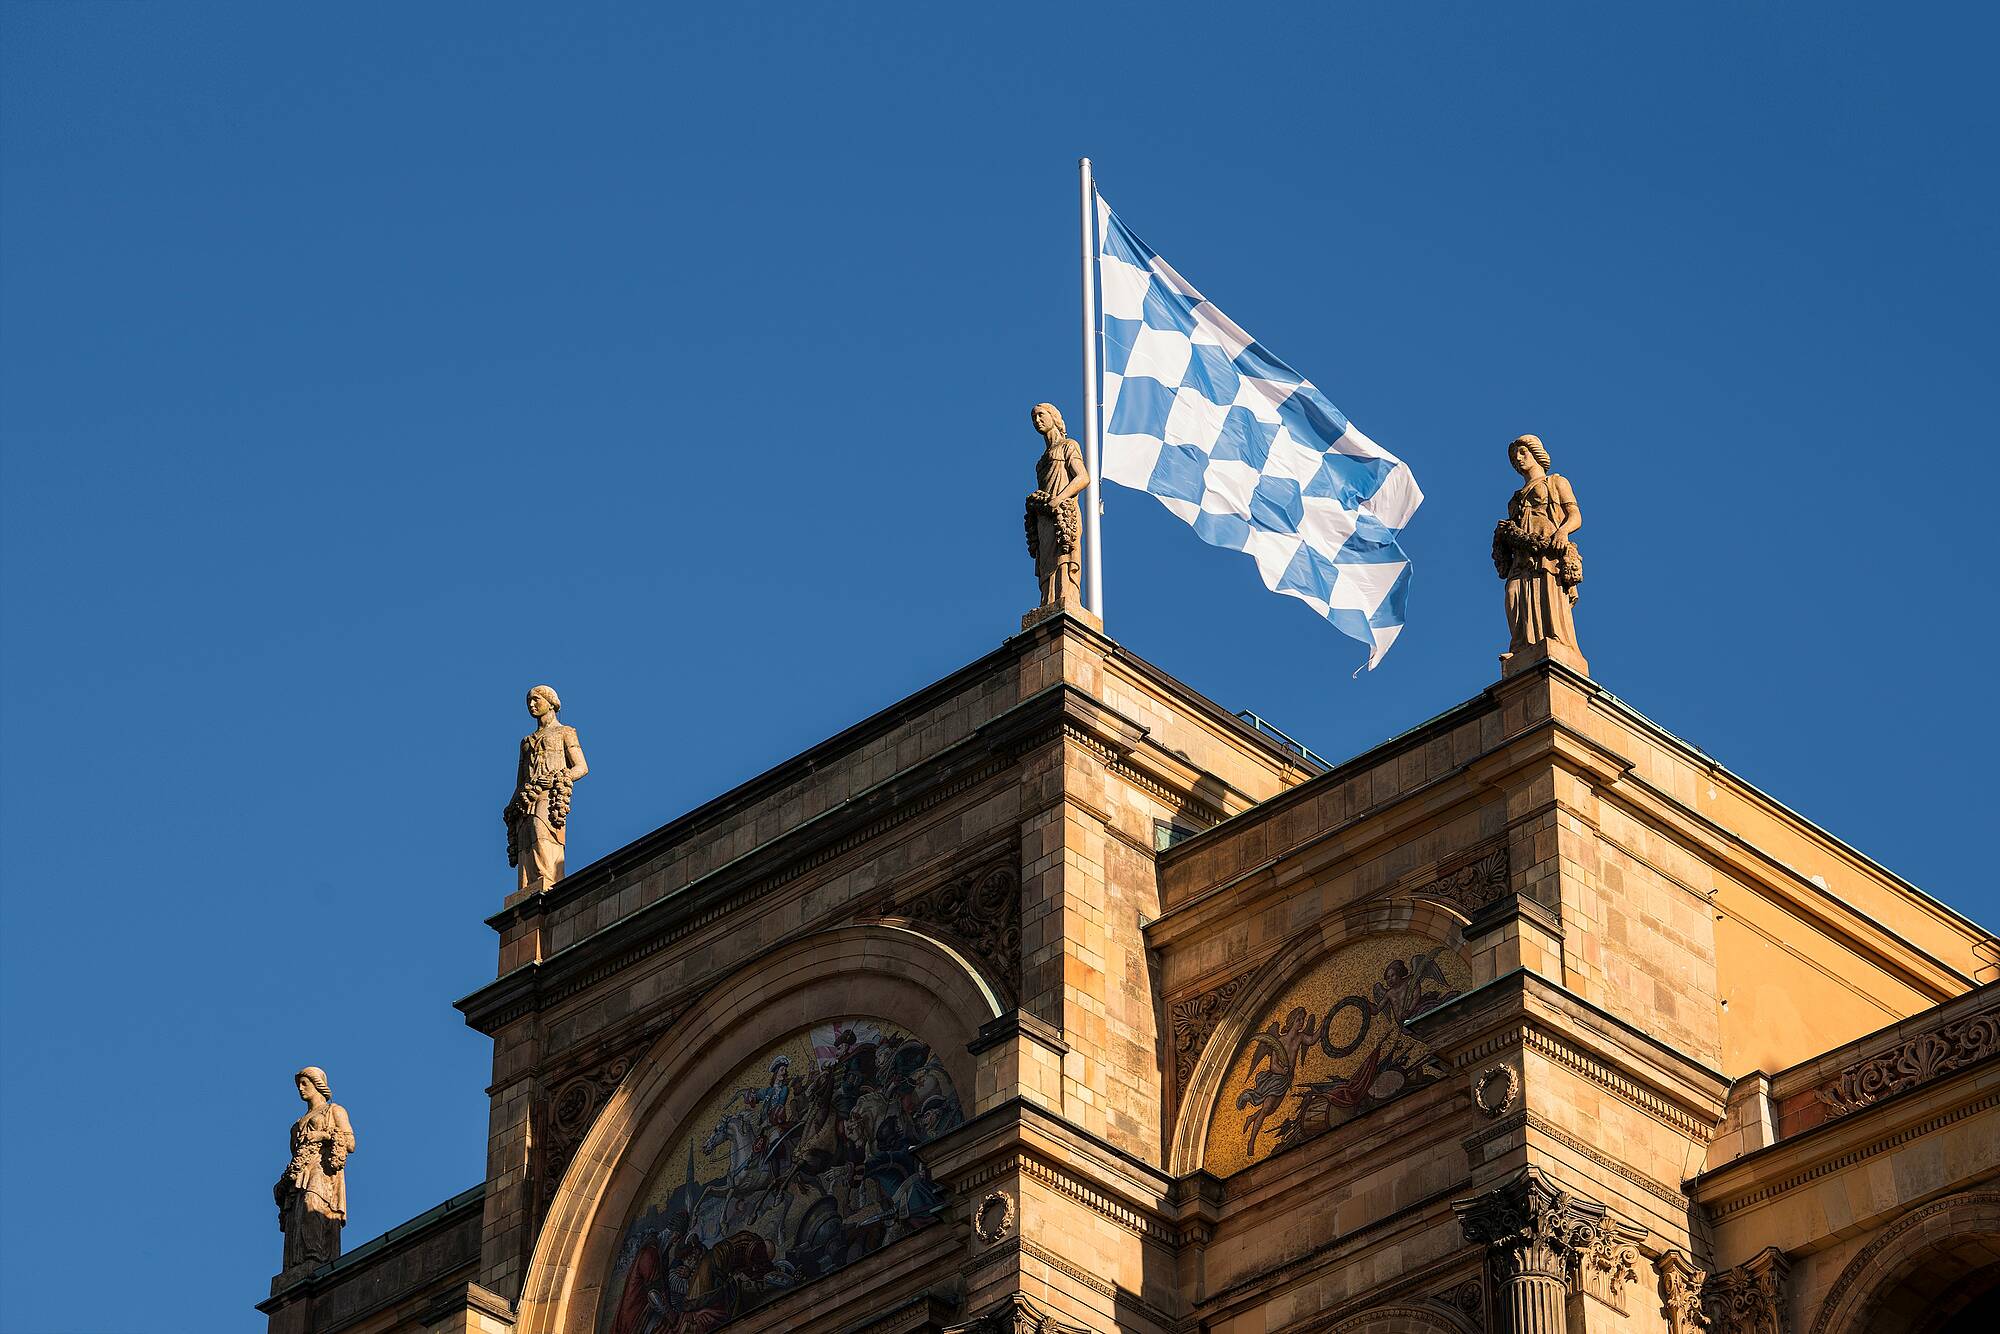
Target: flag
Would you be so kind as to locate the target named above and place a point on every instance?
(1244, 449)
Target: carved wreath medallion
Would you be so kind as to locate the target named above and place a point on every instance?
(994, 1217)
(1496, 1101)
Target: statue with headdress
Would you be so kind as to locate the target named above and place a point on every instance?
(1054, 521)
(312, 1193)
(537, 815)
(1533, 554)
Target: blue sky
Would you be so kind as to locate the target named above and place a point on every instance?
(364, 366)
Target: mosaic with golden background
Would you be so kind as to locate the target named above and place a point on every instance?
(1330, 1046)
(802, 1161)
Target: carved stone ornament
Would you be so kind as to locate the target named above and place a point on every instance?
(1015, 1314)
(312, 1192)
(1609, 1262)
(994, 1217)
(573, 1106)
(1530, 1227)
(1495, 1090)
(1925, 1057)
(1194, 1020)
(1533, 554)
(1054, 522)
(1749, 1299)
(1467, 1298)
(1680, 1293)
(1477, 884)
(981, 908)
(537, 815)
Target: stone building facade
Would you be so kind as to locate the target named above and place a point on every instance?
(1057, 998)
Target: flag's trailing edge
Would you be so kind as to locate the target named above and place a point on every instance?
(1198, 414)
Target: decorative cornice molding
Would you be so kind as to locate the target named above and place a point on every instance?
(1072, 1187)
(1674, 1199)
(681, 913)
(1724, 1208)
(1530, 1034)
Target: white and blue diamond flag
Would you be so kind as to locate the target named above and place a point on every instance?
(1245, 449)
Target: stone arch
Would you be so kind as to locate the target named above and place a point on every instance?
(1928, 1252)
(1423, 917)
(1402, 1320)
(924, 985)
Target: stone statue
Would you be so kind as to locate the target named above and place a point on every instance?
(1533, 553)
(1055, 524)
(538, 815)
(312, 1194)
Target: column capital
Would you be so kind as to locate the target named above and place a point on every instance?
(1531, 1227)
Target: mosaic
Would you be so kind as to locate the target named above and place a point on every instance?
(803, 1161)
(1331, 1046)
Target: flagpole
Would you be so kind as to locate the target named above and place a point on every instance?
(1093, 562)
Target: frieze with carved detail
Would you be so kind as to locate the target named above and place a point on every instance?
(1477, 884)
(1925, 1057)
(981, 908)
(1194, 1020)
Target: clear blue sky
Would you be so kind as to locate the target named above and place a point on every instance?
(366, 365)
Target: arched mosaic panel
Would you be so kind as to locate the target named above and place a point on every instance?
(1330, 1046)
(805, 1159)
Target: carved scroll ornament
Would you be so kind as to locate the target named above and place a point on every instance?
(1925, 1057)
(982, 908)
(1194, 1020)
(1477, 884)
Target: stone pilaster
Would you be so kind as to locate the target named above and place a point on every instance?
(1536, 1235)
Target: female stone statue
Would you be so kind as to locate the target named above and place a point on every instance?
(1533, 553)
(1055, 525)
(538, 815)
(312, 1194)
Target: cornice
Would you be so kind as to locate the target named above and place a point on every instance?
(1524, 1010)
(1514, 1123)
(1776, 1169)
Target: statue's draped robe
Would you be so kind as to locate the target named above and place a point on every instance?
(312, 1194)
(535, 841)
(1539, 606)
(1055, 470)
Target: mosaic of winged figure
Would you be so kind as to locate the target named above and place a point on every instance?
(1285, 1057)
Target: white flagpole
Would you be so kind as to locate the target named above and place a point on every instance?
(1093, 560)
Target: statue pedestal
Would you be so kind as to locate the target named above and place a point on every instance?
(1548, 650)
(1079, 613)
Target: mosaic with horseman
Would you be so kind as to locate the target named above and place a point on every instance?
(1331, 1046)
(803, 1161)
